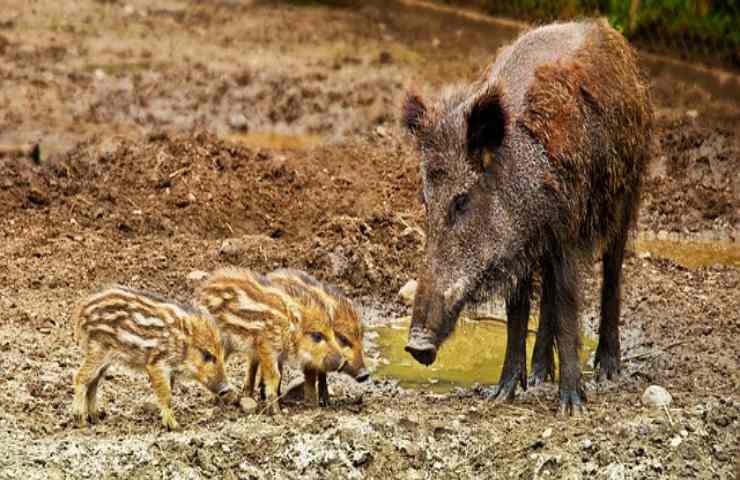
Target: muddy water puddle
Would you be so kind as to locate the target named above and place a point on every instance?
(276, 141)
(691, 254)
(474, 354)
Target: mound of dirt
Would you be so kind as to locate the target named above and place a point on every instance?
(342, 212)
(693, 185)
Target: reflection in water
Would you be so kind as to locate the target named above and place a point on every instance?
(474, 354)
(692, 254)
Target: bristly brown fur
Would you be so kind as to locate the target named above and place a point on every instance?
(593, 115)
(147, 332)
(268, 326)
(343, 318)
(532, 167)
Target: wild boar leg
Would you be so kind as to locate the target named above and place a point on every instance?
(560, 296)
(86, 385)
(543, 357)
(160, 379)
(324, 399)
(310, 397)
(270, 370)
(607, 359)
(251, 376)
(93, 414)
(515, 362)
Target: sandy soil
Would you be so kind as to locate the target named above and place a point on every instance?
(178, 137)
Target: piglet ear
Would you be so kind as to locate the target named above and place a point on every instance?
(413, 112)
(486, 125)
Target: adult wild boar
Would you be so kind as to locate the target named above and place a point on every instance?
(534, 165)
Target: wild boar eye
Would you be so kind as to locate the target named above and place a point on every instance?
(458, 205)
(317, 337)
(344, 341)
(208, 356)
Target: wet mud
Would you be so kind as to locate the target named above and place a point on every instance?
(184, 136)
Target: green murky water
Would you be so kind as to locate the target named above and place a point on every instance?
(474, 354)
(692, 254)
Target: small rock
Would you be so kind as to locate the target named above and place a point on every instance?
(38, 196)
(238, 121)
(150, 408)
(99, 74)
(360, 457)
(248, 405)
(381, 131)
(683, 433)
(656, 397)
(547, 433)
(197, 275)
(692, 114)
(676, 441)
(234, 247)
(129, 10)
(614, 471)
(587, 444)
(294, 391)
(385, 58)
(408, 292)
(191, 197)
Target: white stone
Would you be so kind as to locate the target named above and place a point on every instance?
(248, 404)
(614, 471)
(238, 121)
(656, 396)
(408, 292)
(676, 441)
(547, 433)
(197, 275)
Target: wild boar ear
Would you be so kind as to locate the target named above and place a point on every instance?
(486, 126)
(413, 112)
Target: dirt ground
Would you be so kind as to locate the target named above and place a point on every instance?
(177, 136)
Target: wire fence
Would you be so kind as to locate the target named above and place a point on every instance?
(707, 31)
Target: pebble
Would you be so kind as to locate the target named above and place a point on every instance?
(547, 433)
(676, 441)
(408, 292)
(238, 121)
(587, 444)
(614, 471)
(197, 275)
(248, 405)
(656, 396)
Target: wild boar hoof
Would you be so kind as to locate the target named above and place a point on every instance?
(606, 365)
(540, 374)
(169, 422)
(504, 391)
(79, 419)
(95, 417)
(572, 403)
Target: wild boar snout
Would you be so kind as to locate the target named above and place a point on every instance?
(421, 347)
(362, 375)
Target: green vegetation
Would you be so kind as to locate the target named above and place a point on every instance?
(710, 27)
